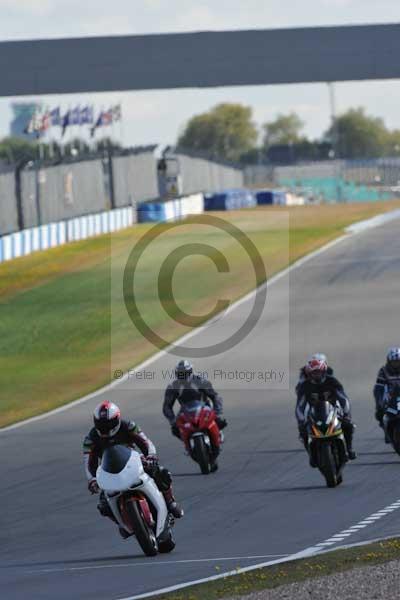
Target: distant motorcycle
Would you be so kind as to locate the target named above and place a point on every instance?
(135, 500)
(391, 417)
(200, 433)
(326, 443)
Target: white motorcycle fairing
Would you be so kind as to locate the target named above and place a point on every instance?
(132, 476)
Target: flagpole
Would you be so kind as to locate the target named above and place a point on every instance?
(49, 133)
(92, 137)
(103, 132)
(70, 136)
(113, 138)
(61, 141)
(75, 126)
(81, 146)
(121, 128)
(41, 134)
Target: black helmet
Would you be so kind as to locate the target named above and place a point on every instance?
(183, 370)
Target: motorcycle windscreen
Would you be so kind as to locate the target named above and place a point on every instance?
(320, 411)
(393, 397)
(115, 458)
(193, 406)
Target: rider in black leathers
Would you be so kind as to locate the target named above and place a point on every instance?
(303, 374)
(321, 386)
(387, 375)
(188, 387)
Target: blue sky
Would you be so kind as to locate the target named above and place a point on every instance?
(157, 116)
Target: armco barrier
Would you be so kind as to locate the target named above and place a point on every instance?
(230, 200)
(51, 235)
(172, 210)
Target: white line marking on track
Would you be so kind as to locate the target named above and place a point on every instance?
(153, 564)
(325, 546)
(373, 221)
(371, 520)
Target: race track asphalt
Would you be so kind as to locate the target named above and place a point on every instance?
(265, 501)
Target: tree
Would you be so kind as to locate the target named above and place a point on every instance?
(284, 130)
(225, 132)
(14, 150)
(393, 145)
(357, 135)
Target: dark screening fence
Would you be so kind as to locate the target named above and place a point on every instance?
(44, 194)
(8, 205)
(63, 191)
(202, 175)
(135, 178)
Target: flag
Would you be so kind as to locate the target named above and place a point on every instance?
(75, 116)
(45, 122)
(98, 123)
(66, 121)
(30, 128)
(55, 116)
(107, 117)
(86, 116)
(34, 124)
(116, 113)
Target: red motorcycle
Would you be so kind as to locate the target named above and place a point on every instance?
(200, 433)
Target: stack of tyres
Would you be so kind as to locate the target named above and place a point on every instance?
(232, 199)
(265, 197)
(153, 212)
(279, 198)
(270, 197)
(249, 199)
(172, 210)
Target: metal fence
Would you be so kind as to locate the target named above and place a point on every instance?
(135, 178)
(334, 181)
(8, 205)
(258, 175)
(37, 195)
(202, 175)
(63, 192)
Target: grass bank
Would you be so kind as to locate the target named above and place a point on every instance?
(290, 572)
(64, 328)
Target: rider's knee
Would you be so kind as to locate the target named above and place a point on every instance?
(163, 479)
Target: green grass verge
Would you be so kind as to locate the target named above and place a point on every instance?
(290, 572)
(63, 328)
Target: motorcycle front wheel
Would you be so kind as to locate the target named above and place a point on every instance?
(327, 465)
(395, 435)
(200, 452)
(144, 534)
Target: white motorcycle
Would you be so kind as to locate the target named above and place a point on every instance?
(135, 500)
